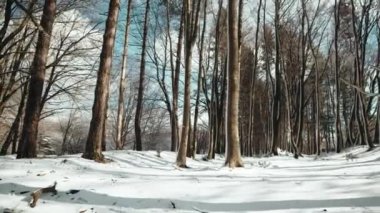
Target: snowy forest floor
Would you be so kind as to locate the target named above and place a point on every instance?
(143, 182)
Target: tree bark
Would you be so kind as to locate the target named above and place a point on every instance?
(175, 71)
(213, 105)
(28, 142)
(93, 149)
(140, 95)
(276, 109)
(122, 83)
(199, 84)
(377, 125)
(300, 113)
(233, 158)
(191, 13)
(337, 84)
(253, 82)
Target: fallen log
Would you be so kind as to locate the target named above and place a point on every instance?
(37, 194)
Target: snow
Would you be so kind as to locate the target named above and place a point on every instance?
(143, 182)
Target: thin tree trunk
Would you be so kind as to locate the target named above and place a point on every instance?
(377, 125)
(93, 149)
(337, 84)
(253, 81)
(175, 83)
(301, 97)
(7, 19)
(194, 142)
(141, 83)
(14, 130)
(28, 142)
(191, 13)
(213, 120)
(360, 44)
(122, 83)
(276, 109)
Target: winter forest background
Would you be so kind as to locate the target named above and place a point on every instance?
(309, 75)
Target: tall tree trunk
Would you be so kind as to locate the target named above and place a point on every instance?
(300, 113)
(200, 71)
(28, 142)
(317, 114)
(253, 82)
(233, 158)
(140, 95)
(191, 13)
(175, 80)
(93, 149)
(276, 109)
(213, 111)
(360, 42)
(337, 84)
(122, 83)
(377, 125)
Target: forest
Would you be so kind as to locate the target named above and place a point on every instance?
(306, 81)
(224, 82)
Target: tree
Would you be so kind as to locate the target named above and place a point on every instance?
(191, 16)
(216, 104)
(233, 158)
(276, 109)
(93, 149)
(140, 95)
(199, 83)
(122, 84)
(338, 130)
(360, 44)
(28, 142)
(175, 71)
(14, 130)
(253, 79)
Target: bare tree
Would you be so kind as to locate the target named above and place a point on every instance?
(93, 148)
(140, 95)
(120, 106)
(28, 142)
(175, 85)
(253, 79)
(199, 84)
(191, 17)
(233, 158)
(276, 109)
(338, 130)
(13, 133)
(175, 71)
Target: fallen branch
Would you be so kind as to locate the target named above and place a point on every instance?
(173, 204)
(37, 194)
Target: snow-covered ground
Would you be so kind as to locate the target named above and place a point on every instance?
(144, 182)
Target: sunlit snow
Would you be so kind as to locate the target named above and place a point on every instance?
(145, 182)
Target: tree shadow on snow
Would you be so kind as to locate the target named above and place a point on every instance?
(97, 199)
